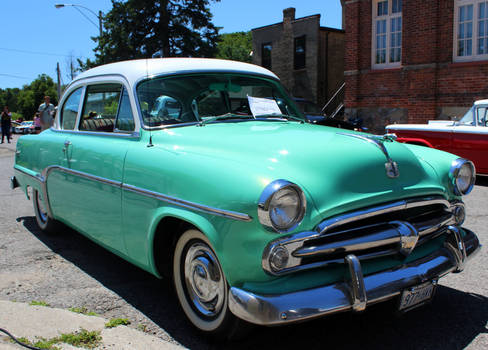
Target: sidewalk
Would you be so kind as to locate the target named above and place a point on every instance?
(34, 322)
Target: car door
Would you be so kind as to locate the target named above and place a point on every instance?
(58, 184)
(96, 154)
(471, 141)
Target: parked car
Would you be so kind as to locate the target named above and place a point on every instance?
(467, 138)
(314, 115)
(26, 127)
(254, 214)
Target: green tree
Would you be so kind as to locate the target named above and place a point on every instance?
(235, 46)
(144, 28)
(8, 97)
(32, 95)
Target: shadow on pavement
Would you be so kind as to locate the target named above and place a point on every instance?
(482, 180)
(451, 321)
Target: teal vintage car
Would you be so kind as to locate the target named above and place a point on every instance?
(254, 213)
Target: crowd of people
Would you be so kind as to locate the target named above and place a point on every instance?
(43, 119)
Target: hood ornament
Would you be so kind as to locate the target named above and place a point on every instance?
(391, 166)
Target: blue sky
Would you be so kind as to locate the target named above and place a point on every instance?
(34, 35)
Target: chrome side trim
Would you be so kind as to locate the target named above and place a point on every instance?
(276, 309)
(159, 196)
(188, 205)
(37, 177)
(127, 135)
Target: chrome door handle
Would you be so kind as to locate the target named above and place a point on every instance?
(66, 145)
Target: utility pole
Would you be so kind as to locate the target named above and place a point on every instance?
(58, 73)
(71, 68)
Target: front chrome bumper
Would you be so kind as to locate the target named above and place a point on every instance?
(356, 293)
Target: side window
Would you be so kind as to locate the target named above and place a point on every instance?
(300, 52)
(266, 55)
(125, 119)
(70, 110)
(100, 107)
(482, 116)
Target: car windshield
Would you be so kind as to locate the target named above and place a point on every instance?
(468, 117)
(213, 97)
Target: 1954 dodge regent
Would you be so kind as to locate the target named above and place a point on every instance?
(206, 172)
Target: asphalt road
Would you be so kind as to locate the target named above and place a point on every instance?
(68, 270)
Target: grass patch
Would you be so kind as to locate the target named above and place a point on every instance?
(82, 310)
(82, 338)
(41, 343)
(114, 322)
(38, 303)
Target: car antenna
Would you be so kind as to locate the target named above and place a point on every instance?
(150, 144)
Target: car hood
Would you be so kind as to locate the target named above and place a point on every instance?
(338, 172)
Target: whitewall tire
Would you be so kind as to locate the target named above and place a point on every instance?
(45, 223)
(200, 284)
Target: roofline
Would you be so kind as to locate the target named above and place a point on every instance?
(330, 29)
(295, 20)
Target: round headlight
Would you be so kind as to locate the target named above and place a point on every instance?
(463, 176)
(281, 206)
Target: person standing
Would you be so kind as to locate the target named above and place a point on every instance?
(6, 124)
(37, 123)
(46, 111)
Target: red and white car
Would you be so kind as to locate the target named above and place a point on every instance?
(467, 138)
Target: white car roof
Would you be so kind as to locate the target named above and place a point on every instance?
(481, 102)
(135, 70)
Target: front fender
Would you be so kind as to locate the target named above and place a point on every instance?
(195, 219)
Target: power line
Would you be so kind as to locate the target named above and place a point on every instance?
(87, 18)
(14, 76)
(33, 52)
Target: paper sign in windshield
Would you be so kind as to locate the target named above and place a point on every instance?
(263, 106)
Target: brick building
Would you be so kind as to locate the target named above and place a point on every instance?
(308, 58)
(414, 60)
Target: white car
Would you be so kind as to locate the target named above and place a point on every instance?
(26, 127)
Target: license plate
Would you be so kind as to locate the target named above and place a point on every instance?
(417, 295)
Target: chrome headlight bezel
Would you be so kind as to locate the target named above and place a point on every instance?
(265, 205)
(454, 172)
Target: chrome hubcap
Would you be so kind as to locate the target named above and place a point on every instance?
(204, 280)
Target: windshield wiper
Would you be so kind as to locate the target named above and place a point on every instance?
(282, 116)
(225, 116)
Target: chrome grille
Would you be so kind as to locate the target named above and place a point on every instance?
(385, 230)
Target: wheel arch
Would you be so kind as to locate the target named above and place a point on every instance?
(168, 225)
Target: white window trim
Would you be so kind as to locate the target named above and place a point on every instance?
(474, 56)
(388, 18)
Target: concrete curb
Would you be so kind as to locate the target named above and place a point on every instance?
(31, 322)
